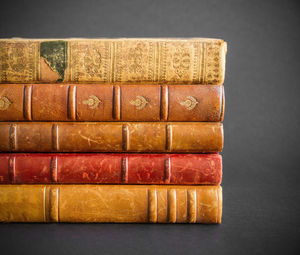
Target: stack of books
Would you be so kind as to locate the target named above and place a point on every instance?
(111, 130)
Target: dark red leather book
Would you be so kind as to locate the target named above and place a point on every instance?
(17, 168)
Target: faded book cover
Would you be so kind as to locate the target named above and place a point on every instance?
(115, 61)
(111, 203)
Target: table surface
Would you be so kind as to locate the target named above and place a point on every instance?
(260, 183)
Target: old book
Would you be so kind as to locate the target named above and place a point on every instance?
(126, 61)
(98, 102)
(111, 203)
(115, 168)
(111, 137)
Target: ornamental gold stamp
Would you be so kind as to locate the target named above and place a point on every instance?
(4, 103)
(93, 102)
(190, 103)
(140, 102)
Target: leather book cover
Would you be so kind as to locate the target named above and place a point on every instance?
(111, 203)
(118, 168)
(196, 137)
(100, 102)
(114, 61)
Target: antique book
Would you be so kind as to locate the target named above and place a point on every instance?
(115, 61)
(111, 203)
(118, 168)
(98, 102)
(111, 137)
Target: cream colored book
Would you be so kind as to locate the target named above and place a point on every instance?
(114, 61)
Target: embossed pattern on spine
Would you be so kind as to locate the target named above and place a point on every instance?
(127, 61)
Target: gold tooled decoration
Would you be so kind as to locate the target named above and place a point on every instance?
(190, 103)
(4, 103)
(140, 102)
(93, 102)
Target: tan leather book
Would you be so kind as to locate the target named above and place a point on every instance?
(98, 102)
(111, 203)
(115, 61)
(111, 137)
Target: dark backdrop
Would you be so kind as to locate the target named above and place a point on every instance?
(261, 154)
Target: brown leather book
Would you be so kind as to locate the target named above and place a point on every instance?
(98, 102)
(115, 61)
(111, 203)
(111, 137)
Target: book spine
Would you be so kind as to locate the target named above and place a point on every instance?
(197, 137)
(111, 203)
(115, 61)
(185, 169)
(98, 102)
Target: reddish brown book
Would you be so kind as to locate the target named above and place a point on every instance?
(196, 137)
(111, 168)
(98, 102)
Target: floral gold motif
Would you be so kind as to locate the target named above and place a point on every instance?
(4, 103)
(190, 103)
(135, 58)
(92, 62)
(93, 102)
(140, 102)
(181, 61)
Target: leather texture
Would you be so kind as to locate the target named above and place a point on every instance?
(116, 168)
(111, 203)
(114, 61)
(100, 102)
(184, 137)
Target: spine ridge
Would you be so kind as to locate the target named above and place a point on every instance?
(12, 168)
(53, 169)
(152, 205)
(27, 102)
(71, 102)
(124, 169)
(55, 137)
(172, 205)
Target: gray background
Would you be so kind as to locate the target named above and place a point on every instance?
(261, 154)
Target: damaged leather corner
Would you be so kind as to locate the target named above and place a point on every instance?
(46, 72)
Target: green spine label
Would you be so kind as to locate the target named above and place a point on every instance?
(55, 54)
